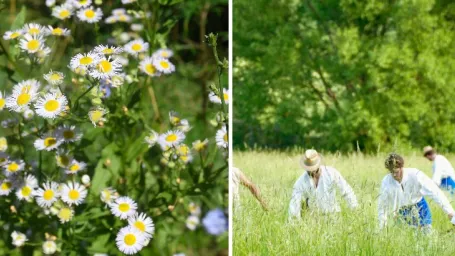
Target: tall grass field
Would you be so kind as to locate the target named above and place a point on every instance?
(256, 232)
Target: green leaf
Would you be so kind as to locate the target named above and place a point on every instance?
(99, 245)
(20, 19)
(100, 179)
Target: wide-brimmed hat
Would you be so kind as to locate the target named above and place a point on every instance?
(311, 160)
(427, 149)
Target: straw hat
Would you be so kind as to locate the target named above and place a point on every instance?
(311, 160)
(427, 150)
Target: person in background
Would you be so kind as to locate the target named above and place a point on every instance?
(402, 194)
(316, 187)
(239, 178)
(443, 173)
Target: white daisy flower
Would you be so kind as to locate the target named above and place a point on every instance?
(152, 138)
(84, 60)
(123, 207)
(47, 195)
(42, 53)
(54, 77)
(81, 3)
(137, 27)
(171, 139)
(19, 238)
(96, 115)
(3, 159)
(163, 53)
(128, 1)
(76, 167)
(192, 222)
(216, 99)
(65, 214)
(2, 101)
(174, 118)
(222, 137)
(62, 12)
(90, 15)
(147, 66)
(33, 29)
(108, 50)
(110, 20)
(9, 35)
(73, 193)
(163, 65)
(119, 11)
(13, 167)
(5, 187)
(69, 133)
(108, 195)
(136, 46)
(57, 31)
(3, 144)
(143, 223)
(48, 142)
(49, 247)
(124, 18)
(106, 68)
(31, 44)
(26, 191)
(194, 209)
(184, 125)
(51, 105)
(129, 240)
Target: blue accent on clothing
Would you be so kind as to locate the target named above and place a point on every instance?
(409, 214)
(449, 184)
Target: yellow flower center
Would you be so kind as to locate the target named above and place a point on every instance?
(26, 190)
(33, 31)
(150, 68)
(164, 64)
(171, 137)
(68, 134)
(140, 225)
(74, 168)
(13, 167)
(48, 194)
(136, 47)
(105, 66)
(65, 214)
(55, 77)
(73, 194)
(225, 138)
(122, 18)
(107, 195)
(2, 103)
(184, 150)
(57, 31)
(6, 185)
(130, 239)
(33, 45)
(14, 35)
(86, 60)
(89, 14)
(123, 207)
(50, 141)
(64, 160)
(164, 54)
(64, 14)
(226, 97)
(96, 115)
(51, 105)
(108, 51)
(23, 99)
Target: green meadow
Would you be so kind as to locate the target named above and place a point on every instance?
(347, 233)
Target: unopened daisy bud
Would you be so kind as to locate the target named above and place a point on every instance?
(170, 207)
(125, 109)
(54, 210)
(178, 180)
(107, 163)
(3, 144)
(28, 114)
(12, 208)
(98, 2)
(47, 212)
(86, 179)
(171, 165)
(192, 222)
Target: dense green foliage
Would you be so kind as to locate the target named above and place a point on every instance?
(338, 75)
(256, 232)
(115, 151)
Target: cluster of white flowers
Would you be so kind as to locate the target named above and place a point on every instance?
(83, 9)
(140, 229)
(33, 39)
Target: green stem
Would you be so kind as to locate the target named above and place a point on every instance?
(76, 103)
